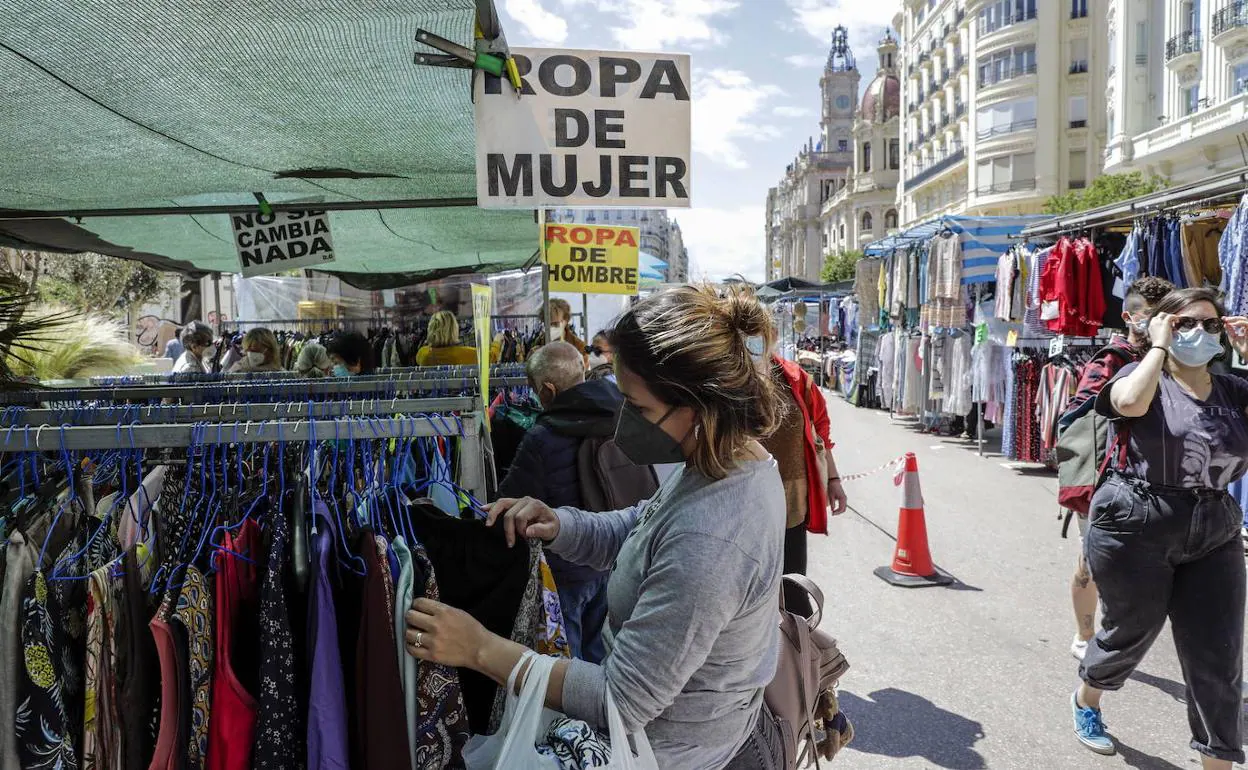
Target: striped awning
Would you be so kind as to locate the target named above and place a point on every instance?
(984, 241)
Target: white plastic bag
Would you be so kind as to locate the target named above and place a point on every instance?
(526, 720)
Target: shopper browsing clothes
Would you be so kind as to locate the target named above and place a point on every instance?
(802, 446)
(313, 361)
(692, 637)
(1164, 540)
(442, 346)
(1083, 447)
(196, 344)
(546, 468)
(259, 353)
(350, 354)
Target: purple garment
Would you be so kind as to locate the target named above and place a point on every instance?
(1184, 442)
(327, 700)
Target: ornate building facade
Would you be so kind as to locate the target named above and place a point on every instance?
(863, 205)
(795, 234)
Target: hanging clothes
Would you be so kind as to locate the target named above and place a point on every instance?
(1200, 238)
(231, 728)
(1073, 302)
(1233, 258)
(279, 721)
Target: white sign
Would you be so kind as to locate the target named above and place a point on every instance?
(283, 240)
(589, 128)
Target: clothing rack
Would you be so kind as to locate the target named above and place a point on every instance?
(496, 370)
(285, 390)
(125, 416)
(468, 428)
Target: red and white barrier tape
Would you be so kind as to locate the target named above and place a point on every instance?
(890, 465)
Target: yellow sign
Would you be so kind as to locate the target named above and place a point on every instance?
(592, 259)
(482, 306)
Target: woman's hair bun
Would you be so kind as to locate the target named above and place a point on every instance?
(743, 313)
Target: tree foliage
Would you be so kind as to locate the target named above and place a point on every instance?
(1104, 190)
(839, 266)
(94, 283)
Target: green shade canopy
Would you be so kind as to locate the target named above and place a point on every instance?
(112, 105)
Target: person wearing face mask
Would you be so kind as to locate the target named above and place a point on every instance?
(259, 352)
(1142, 296)
(350, 354)
(692, 632)
(546, 467)
(561, 326)
(1164, 535)
(601, 359)
(196, 344)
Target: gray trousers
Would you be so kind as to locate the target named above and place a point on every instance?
(765, 748)
(1158, 552)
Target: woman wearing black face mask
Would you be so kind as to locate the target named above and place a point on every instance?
(695, 571)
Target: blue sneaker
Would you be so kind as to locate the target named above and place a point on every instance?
(1090, 728)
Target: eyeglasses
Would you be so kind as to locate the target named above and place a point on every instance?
(1211, 325)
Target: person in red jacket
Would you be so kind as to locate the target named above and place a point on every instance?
(1141, 297)
(802, 447)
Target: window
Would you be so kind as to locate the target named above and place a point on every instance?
(1239, 79)
(841, 235)
(842, 145)
(590, 218)
(1191, 100)
(1112, 121)
(1078, 9)
(1079, 55)
(1007, 64)
(1141, 43)
(1007, 173)
(1078, 111)
(894, 154)
(1078, 169)
(867, 224)
(890, 220)
(866, 156)
(1006, 117)
(825, 240)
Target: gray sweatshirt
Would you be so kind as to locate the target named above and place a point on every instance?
(693, 611)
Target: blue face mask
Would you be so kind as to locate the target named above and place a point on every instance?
(340, 370)
(1195, 347)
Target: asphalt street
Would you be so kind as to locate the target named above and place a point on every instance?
(978, 675)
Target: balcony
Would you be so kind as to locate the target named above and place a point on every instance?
(1230, 24)
(1079, 67)
(1010, 128)
(1001, 188)
(944, 164)
(1183, 50)
(996, 78)
(988, 26)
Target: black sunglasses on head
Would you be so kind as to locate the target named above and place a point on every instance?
(1211, 325)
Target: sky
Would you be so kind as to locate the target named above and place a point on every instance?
(756, 67)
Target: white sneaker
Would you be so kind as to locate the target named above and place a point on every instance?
(1079, 648)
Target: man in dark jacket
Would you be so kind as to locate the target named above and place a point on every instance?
(545, 468)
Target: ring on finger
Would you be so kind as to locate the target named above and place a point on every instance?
(419, 637)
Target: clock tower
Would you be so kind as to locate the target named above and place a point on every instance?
(839, 86)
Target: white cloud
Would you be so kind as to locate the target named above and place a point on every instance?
(806, 60)
(657, 25)
(724, 242)
(544, 27)
(865, 20)
(727, 107)
(789, 111)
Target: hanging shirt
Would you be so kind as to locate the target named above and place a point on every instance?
(404, 595)
(194, 614)
(279, 726)
(327, 703)
(231, 730)
(1200, 251)
(1128, 263)
(1233, 258)
(380, 710)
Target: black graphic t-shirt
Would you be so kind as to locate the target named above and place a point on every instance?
(1185, 442)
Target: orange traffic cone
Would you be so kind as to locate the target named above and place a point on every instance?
(912, 561)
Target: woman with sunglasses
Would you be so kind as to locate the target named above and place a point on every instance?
(1164, 540)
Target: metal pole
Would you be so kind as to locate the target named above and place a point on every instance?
(216, 292)
(541, 238)
(241, 208)
(585, 317)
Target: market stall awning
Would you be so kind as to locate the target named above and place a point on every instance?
(126, 106)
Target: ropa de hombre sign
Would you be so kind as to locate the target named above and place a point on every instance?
(282, 240)
(589, 128)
